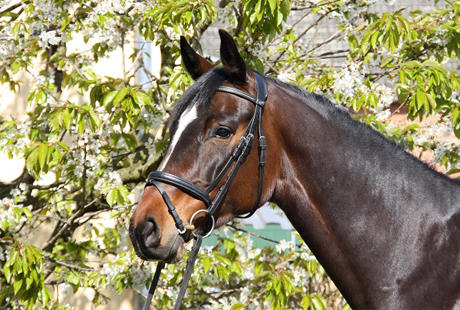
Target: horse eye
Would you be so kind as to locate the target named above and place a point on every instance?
(223, 133)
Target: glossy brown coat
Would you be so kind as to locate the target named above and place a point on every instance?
(384, 225)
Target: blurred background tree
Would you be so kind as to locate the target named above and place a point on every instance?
(89, 139)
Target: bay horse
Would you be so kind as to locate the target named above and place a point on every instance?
(384, 225)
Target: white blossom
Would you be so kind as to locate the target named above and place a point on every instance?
(115, 178)
(440, 152)
(286, 76)
(66, 290)
(49, 38)
(386, 95)
(383, 115)
(347, 81)
(284, 245)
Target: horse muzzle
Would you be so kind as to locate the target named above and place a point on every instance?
(147, 241)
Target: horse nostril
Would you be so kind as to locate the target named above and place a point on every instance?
(151, 232)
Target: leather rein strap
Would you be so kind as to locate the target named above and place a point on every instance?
(236, 159)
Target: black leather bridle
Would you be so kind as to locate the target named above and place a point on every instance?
(236, 159)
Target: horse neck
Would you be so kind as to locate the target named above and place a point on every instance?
(348, 191)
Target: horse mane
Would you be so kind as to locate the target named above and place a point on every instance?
(361, 131)
(206, 86)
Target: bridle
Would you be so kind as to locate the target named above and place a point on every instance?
(236, 159)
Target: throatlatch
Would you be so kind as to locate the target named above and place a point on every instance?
(236, 159)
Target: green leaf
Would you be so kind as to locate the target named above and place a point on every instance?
(306, 302)
(81, 126)
(112, 196)
(131, 140)
(67, 118)
(30, 256)
(272, 4)
(73, 278)
(43, 151)
(285, 7)
(109, 97)
(453, 171)
(7, 272)
(29, 282)
(206, 262)
(144, 99)
(122, 194)
(457, 130)
(374, 38)
(121, 94)
(431, 101)
(237, 307)
(16, 30)
(346, 307)
(412, 64)
(17, 284)
(420, 98)
(387, 61)
(318, 303)
(455, 114)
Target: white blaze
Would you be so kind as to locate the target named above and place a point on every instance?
(185, 119)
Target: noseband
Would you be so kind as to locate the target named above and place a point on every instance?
(236, 159)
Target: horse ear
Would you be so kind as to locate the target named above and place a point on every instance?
(231, 59)
(194, 63)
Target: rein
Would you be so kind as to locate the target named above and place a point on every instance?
(236, 159)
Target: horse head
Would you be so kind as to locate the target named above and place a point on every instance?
(210, 130)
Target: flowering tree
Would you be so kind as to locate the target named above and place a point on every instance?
(86, 155)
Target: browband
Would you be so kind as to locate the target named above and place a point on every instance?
(262, 92)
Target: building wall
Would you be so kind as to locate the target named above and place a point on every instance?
(326, 28)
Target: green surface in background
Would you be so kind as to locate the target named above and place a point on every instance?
(271, 231)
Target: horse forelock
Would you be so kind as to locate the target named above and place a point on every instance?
(199, 93)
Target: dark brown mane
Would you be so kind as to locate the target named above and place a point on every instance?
(360, 131)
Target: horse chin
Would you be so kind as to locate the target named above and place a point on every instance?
(178, 255)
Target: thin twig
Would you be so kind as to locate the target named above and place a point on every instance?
(88, 217)
(123, 61)
(331, 53)
(68, 265)
(301, 35)
(300, 19)
(12, 7)
(251, 233)
(331, 38)
(68, 223)
(301, 8)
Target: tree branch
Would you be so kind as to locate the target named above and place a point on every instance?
(68, 265)
(302, 34)
(331, 38)
(138, 174)
(234, 227)
(12, 7)
(69, 222)
(301, 8)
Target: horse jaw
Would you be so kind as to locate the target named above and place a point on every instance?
(224, 219)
